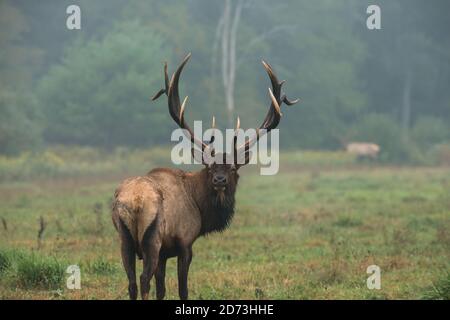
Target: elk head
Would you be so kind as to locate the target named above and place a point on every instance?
(223, 174)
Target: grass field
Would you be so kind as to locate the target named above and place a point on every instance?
(309, 232)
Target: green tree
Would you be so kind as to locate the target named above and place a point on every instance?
(429, 130)
(100, 94)
(19, 121)
(407, 70)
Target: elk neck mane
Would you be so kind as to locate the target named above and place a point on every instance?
(216, 214)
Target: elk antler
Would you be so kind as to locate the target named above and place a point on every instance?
(273, 115)
(271, 121)
(176, 109)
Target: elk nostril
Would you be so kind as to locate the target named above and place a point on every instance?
(219, 179)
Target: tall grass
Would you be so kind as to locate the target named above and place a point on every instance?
(30, 270)
(40, 272)
(440, 290)
(5, 261)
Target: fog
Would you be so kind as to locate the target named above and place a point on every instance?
(362, 75)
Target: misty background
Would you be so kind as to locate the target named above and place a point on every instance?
(92, 87)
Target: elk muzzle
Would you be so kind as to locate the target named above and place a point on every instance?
(219, 181)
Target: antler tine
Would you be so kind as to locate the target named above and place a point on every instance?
(213, 126)
(166, 84)
(289, 102)
(183, 105)
(235, 150)
(238, 126)
(275, 104)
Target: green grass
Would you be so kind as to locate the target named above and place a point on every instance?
(5, 262)
(40, 272)
(309, 232)
(101, 266)
(440, 290)
(28, 270)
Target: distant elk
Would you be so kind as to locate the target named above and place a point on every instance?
(363, 149)
(161, 214)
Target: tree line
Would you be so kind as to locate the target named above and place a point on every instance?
(93, 86)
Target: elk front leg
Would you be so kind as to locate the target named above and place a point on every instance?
(160, 278)
(184, 260)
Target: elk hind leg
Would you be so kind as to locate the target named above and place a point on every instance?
(150, 249)
(128, 253)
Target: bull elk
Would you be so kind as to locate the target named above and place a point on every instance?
(161, 214)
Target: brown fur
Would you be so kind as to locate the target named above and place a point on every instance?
(160, 215)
